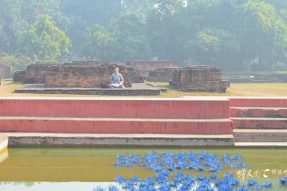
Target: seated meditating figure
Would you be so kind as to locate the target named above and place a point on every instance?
(117, 80)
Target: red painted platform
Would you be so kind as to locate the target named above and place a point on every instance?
(116, 125)
(182, 116)
(259, 119)
(258, 102)
(266, 112)
(255, 135)
(197, 116)
(260, 123)
(117, 108)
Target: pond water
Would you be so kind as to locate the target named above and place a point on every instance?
(29, 169)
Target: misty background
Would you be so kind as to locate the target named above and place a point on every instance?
(236, 35)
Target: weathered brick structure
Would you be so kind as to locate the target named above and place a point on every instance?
(19, 76)
(152, 65)
(161, 75)
(5, 71)
(154, 70)
(134, 75)
(36, 73)
(84, 76)
(137, 72)
(199, 78)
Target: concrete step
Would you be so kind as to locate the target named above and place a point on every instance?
(116, 107)
(258, 102)
(57, 139)
(27, 89)
(116, 125)
(260, 144)
(259, 123)
(259, 135)
(264, 112)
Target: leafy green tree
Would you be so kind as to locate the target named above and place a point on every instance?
(17, 15)
(124, 39)
(212, 46)
(131, 43)
(45, 41)
(99, 43)
(233, 34)
(83, 14)
(263, 42)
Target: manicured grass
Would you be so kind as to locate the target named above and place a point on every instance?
(259, 89)
(245, 89)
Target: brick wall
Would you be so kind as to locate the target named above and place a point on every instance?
(199, 78)
(85, 77)
(5, 71)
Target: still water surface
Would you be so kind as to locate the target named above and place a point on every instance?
(77, 169)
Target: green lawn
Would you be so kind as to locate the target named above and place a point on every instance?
(245, 89)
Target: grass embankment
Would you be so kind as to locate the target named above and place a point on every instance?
(236, 89)
(245, 89)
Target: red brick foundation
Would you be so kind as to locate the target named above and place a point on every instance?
(141, 116)
(242, 117)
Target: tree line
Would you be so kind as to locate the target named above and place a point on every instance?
(232, 34)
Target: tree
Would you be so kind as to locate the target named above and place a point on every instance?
(123, 39)
(212, 46)
(45, 41)
(99, 43)
(83, 14)
(130, 35)
(269, 44)
(17, 15)
(229, 33)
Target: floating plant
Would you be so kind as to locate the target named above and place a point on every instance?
(165, 166)
(283, 180)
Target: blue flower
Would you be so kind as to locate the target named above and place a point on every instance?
(213, 176)
(134, 160)
(283, 180)
(162, 176)
(201, 177)
(121, 180)
(251, 182)
(164, 187)
(267, 185)
(113, 188)
(243, 188)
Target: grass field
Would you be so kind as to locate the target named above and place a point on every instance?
(245, 89)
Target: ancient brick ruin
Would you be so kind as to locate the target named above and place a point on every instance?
(5, 71)
(154, 71)
(85, 77)
(161, 75)
(94, 73)
(199, 78)
(82, 75)
(151, 65)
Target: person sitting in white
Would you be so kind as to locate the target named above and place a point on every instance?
(117, 80)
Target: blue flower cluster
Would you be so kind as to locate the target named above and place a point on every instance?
(165, 166)
(184, 182)
(202, 161)
(283, 180)
(110, 188)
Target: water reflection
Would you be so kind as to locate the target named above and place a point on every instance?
(48, 186)
(79, 168)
